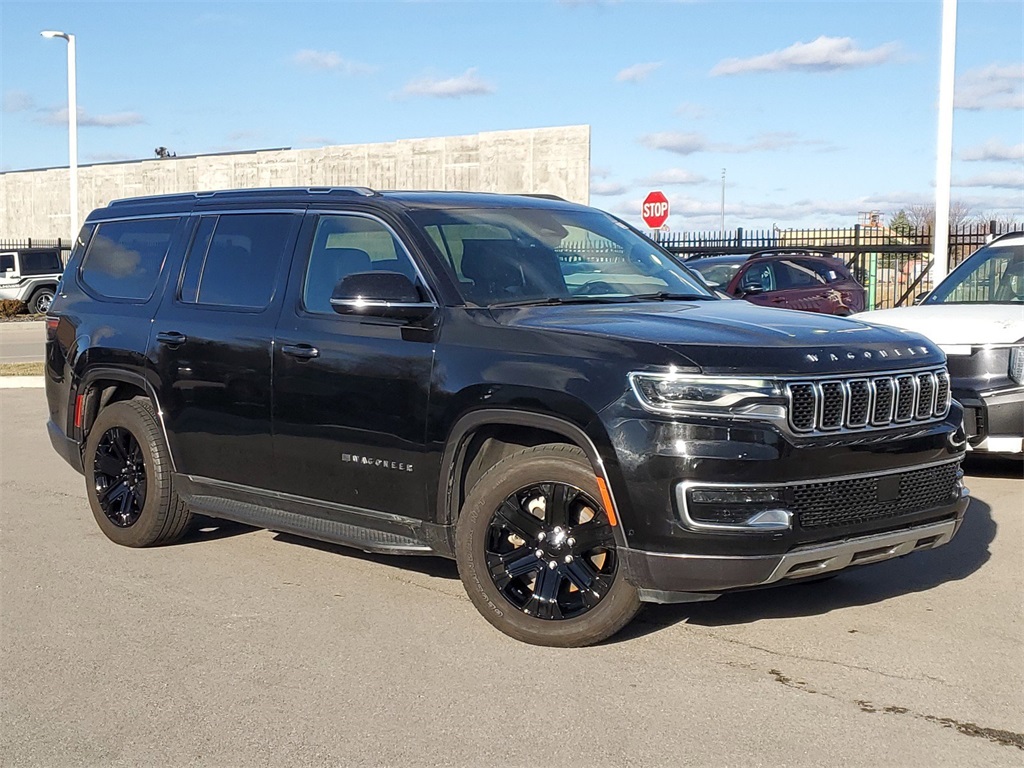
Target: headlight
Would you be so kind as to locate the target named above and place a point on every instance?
(687, 393)
(1016, 371)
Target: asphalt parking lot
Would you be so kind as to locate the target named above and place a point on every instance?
(245, 647)
(21, 342)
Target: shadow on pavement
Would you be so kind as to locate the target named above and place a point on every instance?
(429, 565)
(862, 585)
(977, 465)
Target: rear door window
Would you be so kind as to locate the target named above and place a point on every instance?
(124, 258)
(234, 259)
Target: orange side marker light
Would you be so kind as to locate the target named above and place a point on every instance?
(606, 500)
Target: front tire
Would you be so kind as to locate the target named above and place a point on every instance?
(536, 552)
(128, 478)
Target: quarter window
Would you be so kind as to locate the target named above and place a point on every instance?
(124, 258)
(234, 259)
(41, 263)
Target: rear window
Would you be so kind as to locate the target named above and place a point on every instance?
(124, 258)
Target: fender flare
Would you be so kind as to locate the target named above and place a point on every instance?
(92, 374)
(464, 427)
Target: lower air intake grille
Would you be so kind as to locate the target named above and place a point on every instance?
(851, 501)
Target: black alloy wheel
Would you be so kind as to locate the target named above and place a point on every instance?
(550, 551)
(119, 476)
(129, 479)
(537, 552)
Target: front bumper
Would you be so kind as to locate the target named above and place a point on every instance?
(664, 577)
(994, 420)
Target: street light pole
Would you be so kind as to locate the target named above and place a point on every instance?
(723, 199)
(944, 145)
(72, 130)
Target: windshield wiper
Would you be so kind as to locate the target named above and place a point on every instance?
(669, 296)
(552, 301)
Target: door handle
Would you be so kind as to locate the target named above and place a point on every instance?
(301, 351)
(171, 338)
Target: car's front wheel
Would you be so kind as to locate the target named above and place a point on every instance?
(128, 477)
(537, 553)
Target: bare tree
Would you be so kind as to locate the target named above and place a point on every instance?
(924, 215)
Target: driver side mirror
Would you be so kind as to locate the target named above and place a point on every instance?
(750, 290)
(919, 299)
(379, 294)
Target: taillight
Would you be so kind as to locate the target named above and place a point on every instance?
(51, 328)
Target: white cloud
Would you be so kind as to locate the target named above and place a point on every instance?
(608, 188)
(638, 72)
(692, 111)
(111, 120)
(691, 143)
(18, 101)
(674, 141)
(995, 180)
(822, 55)
(994, 150)
(672, 177)
(991, 87)
(466, 84)
(330, 61)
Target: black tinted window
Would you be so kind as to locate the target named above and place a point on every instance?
(6, 262)
(234, 259)
(125, 257)
(41, 263)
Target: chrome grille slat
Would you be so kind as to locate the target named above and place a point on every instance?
(857, 403)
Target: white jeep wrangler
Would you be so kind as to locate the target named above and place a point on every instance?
(30, 275)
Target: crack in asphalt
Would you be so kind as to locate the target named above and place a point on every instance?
(995, 735)
(832, 662)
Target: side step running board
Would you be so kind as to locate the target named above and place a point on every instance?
(366, 539)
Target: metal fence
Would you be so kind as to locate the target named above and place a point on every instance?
(893, 265)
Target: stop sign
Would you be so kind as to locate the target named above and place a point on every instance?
(654, 211)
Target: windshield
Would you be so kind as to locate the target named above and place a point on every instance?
(992, 275)
(717, 274)
(520, 256)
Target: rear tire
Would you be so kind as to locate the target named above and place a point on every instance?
(40, 302)
(537, 555)
(129, 480)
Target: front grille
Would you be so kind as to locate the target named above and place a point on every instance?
(851, 501)
(833, 405)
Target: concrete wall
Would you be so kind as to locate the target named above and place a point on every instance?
(551, 160)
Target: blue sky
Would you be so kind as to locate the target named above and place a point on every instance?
(817, 110)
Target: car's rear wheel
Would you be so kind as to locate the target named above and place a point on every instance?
(40, 302)
(128, 477)
(537, 554)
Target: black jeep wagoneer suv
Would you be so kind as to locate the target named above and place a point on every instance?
(526, 385)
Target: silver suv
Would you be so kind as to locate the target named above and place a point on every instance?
(30, 275)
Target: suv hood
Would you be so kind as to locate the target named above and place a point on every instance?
(737, 337)
(957, 325)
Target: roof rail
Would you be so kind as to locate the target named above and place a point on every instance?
(253, 192)
(543, 196)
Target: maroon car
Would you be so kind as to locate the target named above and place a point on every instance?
(787, 278)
